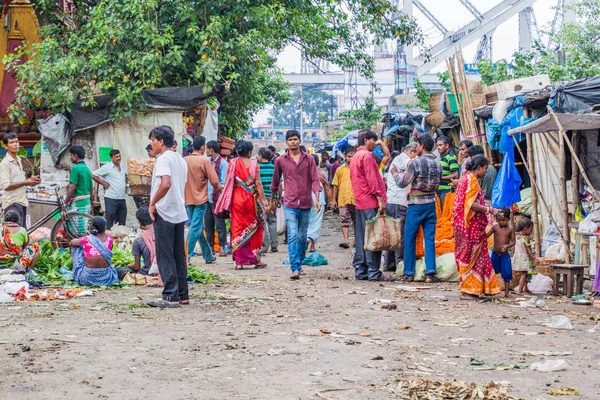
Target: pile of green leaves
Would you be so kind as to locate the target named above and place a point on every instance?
(199, 275)
(121, 257)
(50, 261)
(122, 47)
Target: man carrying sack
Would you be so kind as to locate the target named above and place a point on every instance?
(370, 197)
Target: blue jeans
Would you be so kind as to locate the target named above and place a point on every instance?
(366, 263)
(419, 215)
(296, 220)
(196, 233)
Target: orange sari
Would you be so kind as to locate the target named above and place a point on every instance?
(477, 275)
(246, 215)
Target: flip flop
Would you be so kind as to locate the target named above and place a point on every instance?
(239, 267)
(184, 302)
(211, 261)
(260, 266)
(344, 245)
(163, 304)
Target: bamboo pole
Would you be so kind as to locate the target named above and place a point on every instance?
(534, 198)
(485, 145)
(562, 156)
(575, 171)
(534, 183)
(563, 134)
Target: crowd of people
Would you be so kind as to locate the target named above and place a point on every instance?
(200, 192)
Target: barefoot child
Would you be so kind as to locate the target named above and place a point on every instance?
(523, 259)
(503, 242)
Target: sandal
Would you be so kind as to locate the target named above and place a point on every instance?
(260, 266)
(211, 261)
(301, 272)
(184, 302)
(163, 304)
(431, 279)
(239, 267)
(344, 245)
(295, 276)
(408, 278)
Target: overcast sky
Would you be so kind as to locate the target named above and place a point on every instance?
(453, 15)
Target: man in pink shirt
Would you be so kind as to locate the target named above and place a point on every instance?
(370, 197)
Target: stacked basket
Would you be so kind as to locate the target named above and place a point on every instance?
(140, 176)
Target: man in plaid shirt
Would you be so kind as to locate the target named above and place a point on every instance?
(423, 174)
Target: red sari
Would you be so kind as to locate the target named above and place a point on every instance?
(477, 275)
(246, 215)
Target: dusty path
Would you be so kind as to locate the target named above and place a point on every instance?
(258, 335)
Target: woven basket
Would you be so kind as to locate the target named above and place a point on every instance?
(544, 266)
(478, 100)
(435, 119)
(435, 101)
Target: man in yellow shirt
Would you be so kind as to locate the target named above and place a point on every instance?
(343, 196)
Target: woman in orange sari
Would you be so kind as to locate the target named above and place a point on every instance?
(247, 207)
(477, 277)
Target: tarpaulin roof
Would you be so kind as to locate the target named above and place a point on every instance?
(569, 122)
(162, 99)
(576, 96)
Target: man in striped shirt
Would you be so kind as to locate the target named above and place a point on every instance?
(270, 219)
(449, 167)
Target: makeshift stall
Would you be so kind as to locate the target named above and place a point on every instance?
(98, 134)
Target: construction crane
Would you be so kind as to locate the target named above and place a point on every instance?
(468, 34)
(430, 17)
(484, 49)
(528, 29)
(472, 9)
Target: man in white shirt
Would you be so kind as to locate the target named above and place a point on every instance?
(13, 180)
(398, 201)
(113, 177)
(167, 209)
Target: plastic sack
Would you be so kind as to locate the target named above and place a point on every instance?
(315, 259)
(587, 226)
(505, 191)
(540, 284)
(551, 237)
(493, 131)
(383, 233)
(557, 250)
(446, 270)
(119, 231)
(280, 221)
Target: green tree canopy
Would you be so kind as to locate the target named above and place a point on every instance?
(315, 104)
(579, 40)
(122, 47)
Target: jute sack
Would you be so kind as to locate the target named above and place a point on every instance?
(382, 233)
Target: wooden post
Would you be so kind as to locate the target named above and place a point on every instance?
(534, 196)
(563, 196)
(575, 170)
(533, 182)
(485, 145)
(573, 154)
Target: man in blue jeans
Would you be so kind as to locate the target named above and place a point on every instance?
(300, 180)
(200, 171)
(423, 175)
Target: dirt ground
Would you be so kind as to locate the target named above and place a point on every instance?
(254, 334)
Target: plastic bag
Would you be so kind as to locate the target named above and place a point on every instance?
(14, 287)
(588, 226)
(505, 191)
(315, 260)
(445, 265)
(383, 233)
(551, 237)
(540, 284)
(119, 231)
(550, 366)
(560, 322)
(280, 221)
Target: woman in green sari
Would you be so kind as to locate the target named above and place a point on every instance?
(15, 250)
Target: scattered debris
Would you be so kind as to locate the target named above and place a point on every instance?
(548, 353)
(476, 361)
(533, 302)
(389, 307)
(568, 391)
(422, 388)
(403, 327)
(377, 358)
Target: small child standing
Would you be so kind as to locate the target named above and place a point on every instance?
(523, 259)
(503, 242)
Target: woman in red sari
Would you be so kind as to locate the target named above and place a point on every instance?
(470, 219)
(247, 205)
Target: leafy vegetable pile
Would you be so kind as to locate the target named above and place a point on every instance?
(121, 257)
(53, 265)
(199, 275)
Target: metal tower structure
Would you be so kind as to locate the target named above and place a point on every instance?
(440, 27)
(562, 16)
(353, 89)
(485, 48)
(483, 25)
(529, 32)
